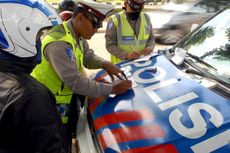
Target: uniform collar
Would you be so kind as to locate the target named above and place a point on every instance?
(70, 26)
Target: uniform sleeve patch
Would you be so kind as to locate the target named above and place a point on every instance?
(110, 24)
(69, 52)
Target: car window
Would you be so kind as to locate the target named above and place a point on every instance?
(211, 42)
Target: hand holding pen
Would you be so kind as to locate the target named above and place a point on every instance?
(122, 85)
(122, 72)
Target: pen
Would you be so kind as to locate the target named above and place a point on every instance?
(122, 72)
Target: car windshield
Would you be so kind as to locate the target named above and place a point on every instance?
(211, 43)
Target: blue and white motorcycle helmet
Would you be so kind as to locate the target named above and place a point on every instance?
(21, 21)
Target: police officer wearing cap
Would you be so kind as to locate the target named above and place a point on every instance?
(66, 5)
(66, 8)
(66, 53)
(65, 15)
(129, 33)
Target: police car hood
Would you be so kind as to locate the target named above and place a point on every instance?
(167, 112)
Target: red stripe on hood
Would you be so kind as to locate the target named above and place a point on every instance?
(165, 148)
(110, 138)
(120, 117)
(95, 103)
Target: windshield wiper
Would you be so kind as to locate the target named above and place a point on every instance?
(200, 60)
(201, 72)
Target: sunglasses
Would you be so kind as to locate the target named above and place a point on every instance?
(97, 23)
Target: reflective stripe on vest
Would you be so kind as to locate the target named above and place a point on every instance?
(45, 73)
(126, 38)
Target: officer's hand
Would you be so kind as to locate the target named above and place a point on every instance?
(133, 56)
(146, 51)
(121, 87)
(112, 70)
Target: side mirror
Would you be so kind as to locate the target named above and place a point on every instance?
(193, 26)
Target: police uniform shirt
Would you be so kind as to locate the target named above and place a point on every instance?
(64, 65)
(111, 38)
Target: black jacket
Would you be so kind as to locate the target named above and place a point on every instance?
(29, 122)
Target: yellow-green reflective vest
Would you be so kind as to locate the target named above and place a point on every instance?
(45, 73)
(126, 38)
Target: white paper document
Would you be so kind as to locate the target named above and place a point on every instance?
(143, 58)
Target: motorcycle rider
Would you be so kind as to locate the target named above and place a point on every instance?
(29, 121)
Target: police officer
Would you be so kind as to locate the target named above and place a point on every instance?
(66, 5)
(65, 15)
(29, 121)
(66, 52)
(129, 33)
(66, 9)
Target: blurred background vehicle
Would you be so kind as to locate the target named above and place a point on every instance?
(181, 108)
(172, 21)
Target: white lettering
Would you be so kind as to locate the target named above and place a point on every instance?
(212, 143)
(150, 89)
(150, 80)
(177, 101)
(199, 128)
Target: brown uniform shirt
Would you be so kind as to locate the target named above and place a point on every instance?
(66, 69)
(111, 37)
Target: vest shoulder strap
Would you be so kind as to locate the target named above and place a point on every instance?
(147, 18)
(117, 18)
(57, 32)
